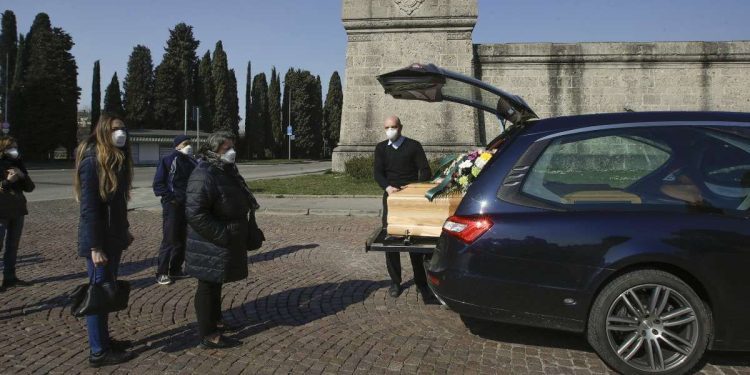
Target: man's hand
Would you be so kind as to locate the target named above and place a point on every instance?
(98, 257)
(391, 189)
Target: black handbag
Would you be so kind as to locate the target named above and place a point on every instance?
(102, 298)
(255, 236)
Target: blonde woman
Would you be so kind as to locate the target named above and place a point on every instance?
(14, 181)
(104, 171)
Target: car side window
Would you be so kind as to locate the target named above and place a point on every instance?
(723, 170)
(596, 168)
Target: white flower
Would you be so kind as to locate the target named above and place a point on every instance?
(480, 163)
(466, 164)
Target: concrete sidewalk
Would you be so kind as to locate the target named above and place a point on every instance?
(289, 205)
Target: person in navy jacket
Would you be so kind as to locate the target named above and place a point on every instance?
(102, 185)
(170, 183)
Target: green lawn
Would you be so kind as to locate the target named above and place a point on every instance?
(317, 184)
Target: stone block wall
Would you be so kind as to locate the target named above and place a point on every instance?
(567, 79)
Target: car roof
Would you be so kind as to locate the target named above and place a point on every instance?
(602, 119)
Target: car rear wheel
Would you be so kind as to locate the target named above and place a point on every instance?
(649, 322)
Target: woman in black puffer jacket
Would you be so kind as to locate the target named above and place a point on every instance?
(217, 208)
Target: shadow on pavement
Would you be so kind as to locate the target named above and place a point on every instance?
(294, 307)
(278, 253)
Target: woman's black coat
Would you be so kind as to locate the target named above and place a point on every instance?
(218, 202)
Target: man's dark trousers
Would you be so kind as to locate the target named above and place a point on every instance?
(393, 259)
(174, 228)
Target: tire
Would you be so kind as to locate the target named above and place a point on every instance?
(678, 325)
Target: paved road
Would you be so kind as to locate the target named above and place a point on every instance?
(57, 184)
(314, 302)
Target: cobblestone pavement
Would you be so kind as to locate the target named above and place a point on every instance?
(314, 303)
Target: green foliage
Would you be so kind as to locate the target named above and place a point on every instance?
(306, 112)
(332, 111)
(223, 117)
(168, 107)
(96, 95)
(113, 98)
(318, 184)
(8, 54)
(206, 93)
(361, 167)
(48, 91)
(175, 77)
(274, 113)
(234, 105)
(257, 126)
(139, 89)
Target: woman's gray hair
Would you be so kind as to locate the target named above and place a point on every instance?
(217, 139)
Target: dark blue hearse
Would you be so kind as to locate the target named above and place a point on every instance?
(630, 227)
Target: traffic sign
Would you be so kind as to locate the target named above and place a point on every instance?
(6, 127)
(289, 130)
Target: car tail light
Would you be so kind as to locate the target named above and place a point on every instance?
(467, 229)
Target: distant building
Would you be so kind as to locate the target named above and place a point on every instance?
(84, 125)
(150, 145)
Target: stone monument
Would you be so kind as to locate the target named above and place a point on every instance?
(386, 35)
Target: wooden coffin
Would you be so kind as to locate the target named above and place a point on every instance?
(410, 213)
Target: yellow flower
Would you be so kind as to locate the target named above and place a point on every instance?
(485, 156)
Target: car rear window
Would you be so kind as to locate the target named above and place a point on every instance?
(674, 166)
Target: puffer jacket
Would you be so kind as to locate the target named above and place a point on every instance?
(218, 203)
(14, 202)
(103, 223)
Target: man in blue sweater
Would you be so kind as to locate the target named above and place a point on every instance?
(170, 183)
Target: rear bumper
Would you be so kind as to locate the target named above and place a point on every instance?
(506, 316)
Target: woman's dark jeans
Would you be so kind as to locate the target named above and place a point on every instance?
(98, 325)
(207, 307)
(10, 236)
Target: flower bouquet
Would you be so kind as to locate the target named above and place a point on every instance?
(459, 172)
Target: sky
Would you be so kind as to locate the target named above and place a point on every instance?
(308, 34)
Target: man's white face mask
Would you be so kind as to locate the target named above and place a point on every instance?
(187, 150)
(391, 134)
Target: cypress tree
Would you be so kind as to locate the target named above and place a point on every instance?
(222, 117)
(168, 107)
(8, 55)
(248, 146)
(274, 113)
(49, 92)
(206, 92)
(332, 111)
(96, 96)
(289, 81)
(113, 97)
(16, 99)
(306, 112)
(234, 105)
(139, 89)
(174, 79)
(258, 131)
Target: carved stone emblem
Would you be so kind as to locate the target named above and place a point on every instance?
(409, 6)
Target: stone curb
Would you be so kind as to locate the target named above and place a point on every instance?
(319, 212)
(307, 196)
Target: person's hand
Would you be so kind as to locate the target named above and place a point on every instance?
(391, 189)
(98, 257)
(12, 176)
(19, 173)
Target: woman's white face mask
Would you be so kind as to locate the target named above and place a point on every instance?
(187, 150)
(119, 137)
(12, 153)
(229, 156)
